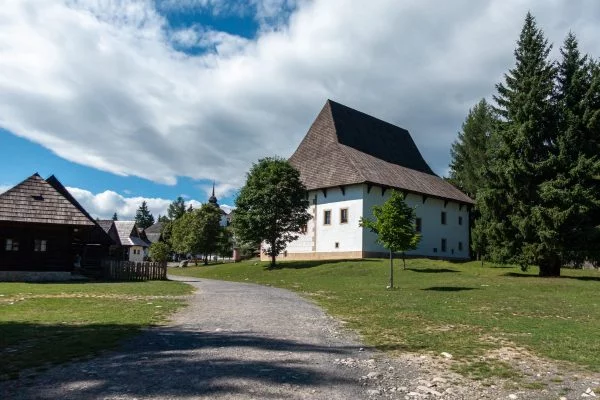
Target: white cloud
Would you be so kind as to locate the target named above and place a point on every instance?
(104, 204)
(4, 188)
(101, 83)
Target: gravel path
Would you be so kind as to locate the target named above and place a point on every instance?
(233, 341)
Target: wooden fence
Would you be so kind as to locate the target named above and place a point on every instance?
(134, 271)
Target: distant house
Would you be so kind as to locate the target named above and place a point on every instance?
(349, 161)
(45, 233)
(130, 243)
(153, 232)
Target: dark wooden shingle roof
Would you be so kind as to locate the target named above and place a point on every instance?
(36, 201)
(344, 146)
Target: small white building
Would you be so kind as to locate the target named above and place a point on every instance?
(131, 242)
(349, 161)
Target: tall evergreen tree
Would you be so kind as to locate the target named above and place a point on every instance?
(523, 143)
(571, 198)
(143, 217)
(469, 151)
(176, 209)
(115, 217)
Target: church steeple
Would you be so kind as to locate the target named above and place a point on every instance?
(213, 199)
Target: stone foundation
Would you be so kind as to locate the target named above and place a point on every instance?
(34, 276)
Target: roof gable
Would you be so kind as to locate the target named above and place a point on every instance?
(344, 146)
(36, 201)
(376, 138)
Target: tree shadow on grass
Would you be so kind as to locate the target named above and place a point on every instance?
(310, 264)
(449, 288)
(579, 278)
(169, 362)
(431, 270)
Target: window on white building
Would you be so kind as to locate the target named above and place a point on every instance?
(39, 245)
(419, 225)
(443, 217)
(460, 220)
(443, 245)
(459, 246)
(344, 216)
(327, 217)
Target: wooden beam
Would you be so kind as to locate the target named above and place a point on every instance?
(369, 186)
(383, 189)
(445, 203)
(424, 199)
(343, 189)
(324, 192)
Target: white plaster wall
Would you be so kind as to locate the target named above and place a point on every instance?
(347, 235)
(136, 257)
(432, 229)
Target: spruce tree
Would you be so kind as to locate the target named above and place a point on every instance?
(523, 143)
(571, 199)
(469, 151)
(176, 209)
(143, 217)
(115, 217)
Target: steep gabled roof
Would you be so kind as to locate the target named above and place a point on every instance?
(345, 146)
(128, 234)
(36, 201)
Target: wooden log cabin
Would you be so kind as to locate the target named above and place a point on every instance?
(45, 234)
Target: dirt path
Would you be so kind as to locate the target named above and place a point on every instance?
(233, 341)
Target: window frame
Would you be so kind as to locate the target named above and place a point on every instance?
(418, 225)
(14, 244)
(341, 214)
(460, 220)
(460, 246)
(444, 245)
(444, 218)
(325, 213)
(40, 245)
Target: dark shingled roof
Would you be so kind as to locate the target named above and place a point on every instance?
(36, 201)
(345, 146)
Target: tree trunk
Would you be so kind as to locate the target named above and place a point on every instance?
(273, 257)
(205, 260)
(550, 267)
(391, 270)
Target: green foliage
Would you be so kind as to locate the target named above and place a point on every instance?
(115, 217)
(537, 187)
(197, 232)
(469, 152)
(176, 209)
(225, 243)
(143, 217)
(272, 206)
(394, 224)
(163, 219)
(159, 251)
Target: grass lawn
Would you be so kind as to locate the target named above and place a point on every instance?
(460, 308)
(46, 323)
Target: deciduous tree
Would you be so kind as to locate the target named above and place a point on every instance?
(272, 207)
(394, 224)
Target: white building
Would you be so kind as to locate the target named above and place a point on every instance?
(349, 161)
(130, 241)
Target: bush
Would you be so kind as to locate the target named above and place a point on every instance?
(159, 251)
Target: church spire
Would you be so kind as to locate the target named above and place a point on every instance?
(213, 199)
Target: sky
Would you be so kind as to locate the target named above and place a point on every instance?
(135, 100)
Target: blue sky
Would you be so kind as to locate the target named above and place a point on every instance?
(137, 100)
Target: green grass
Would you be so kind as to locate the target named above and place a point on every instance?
(42, 324)
(460, 308)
